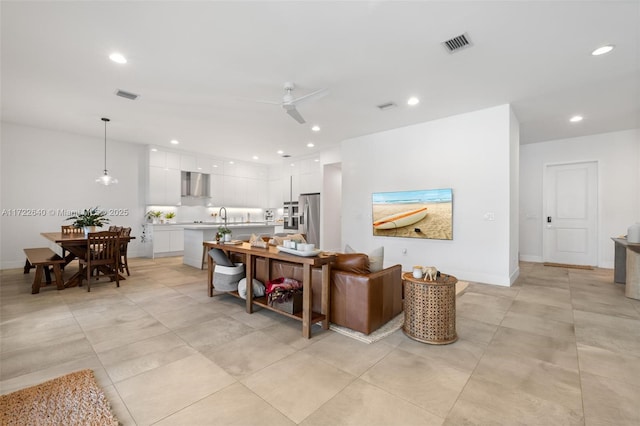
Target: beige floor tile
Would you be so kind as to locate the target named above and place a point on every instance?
(475, 330)
(607, 304)
(539, 325)
(118, 407)
(249, 353)
(33, 358)
(136, 358)
(539, 310)
(298, 385)
(233, 405)
(623, 367)
(161, 336)
(362, 356)
(561, 352)
(52, 370)
(540, 379)
(361, 403)
(482, 307)
(187, 316)
(155, 394)
(610, 402)
(123, 331)
(484, 402)
(552, 296)
(431, 385)
(462, 354)
(608, 332)
(210, 335)
(39, 333)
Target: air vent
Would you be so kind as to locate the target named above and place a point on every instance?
(286, 156)
(457, 43)
(388, 105)
(127, 95)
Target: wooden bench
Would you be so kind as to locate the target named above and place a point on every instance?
(42, 258)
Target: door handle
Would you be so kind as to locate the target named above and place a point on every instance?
(548, 219)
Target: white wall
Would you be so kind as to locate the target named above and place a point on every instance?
(331, 223)
(51, 171)
(470, 153)
(618, 157)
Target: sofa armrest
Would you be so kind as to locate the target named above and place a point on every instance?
(366, 302)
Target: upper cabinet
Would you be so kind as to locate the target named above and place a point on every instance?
(164, 178)
(234, 184)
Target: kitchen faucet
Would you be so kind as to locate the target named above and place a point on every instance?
(223, 217)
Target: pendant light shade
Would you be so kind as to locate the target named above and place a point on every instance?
(106, 179)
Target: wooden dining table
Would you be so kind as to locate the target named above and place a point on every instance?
(76, 245)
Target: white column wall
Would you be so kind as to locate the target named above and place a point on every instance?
(470, 153)
(618, 157)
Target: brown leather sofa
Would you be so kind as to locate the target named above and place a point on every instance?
(360, 300)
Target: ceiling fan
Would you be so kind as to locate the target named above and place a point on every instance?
(289, 103)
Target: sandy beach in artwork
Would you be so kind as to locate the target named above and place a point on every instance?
(436, 225)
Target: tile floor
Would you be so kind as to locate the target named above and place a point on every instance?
(562, 346)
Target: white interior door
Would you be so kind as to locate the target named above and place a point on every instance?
(571, 213)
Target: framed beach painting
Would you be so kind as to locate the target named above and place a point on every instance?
(424, 213)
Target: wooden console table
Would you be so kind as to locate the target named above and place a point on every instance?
(627, 266)
(271, 253)
(430, 309)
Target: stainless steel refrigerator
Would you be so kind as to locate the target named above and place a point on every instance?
(309, 217)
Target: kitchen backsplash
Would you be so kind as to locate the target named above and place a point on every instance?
(191, 214)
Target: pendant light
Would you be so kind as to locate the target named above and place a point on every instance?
(105, 179)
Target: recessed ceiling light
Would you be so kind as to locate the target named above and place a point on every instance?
(413, 101)
(215, 166)
(316, 160)
(310, 145)
(292, 164)
(280, 152)
(231, 162)
(576, 118)
(154, 149)
(199, 168)
(602, 50)
(316, 128)
(174, 142)
(255, 157)
(118, 58)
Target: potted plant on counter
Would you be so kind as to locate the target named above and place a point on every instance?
(89, 219)
(225, 233)
(169, 217)
(154, 215)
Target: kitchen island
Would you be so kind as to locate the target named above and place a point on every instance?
(196, 234)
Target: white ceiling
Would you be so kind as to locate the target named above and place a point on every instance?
(198, 66)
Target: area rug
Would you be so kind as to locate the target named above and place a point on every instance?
(387, 329)
(566, 265)
(73, 399)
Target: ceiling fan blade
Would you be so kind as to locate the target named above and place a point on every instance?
(311, 96)
(293, 112)
(260, 101)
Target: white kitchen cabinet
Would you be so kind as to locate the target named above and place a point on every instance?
(167, 240)
(164, 186)
(188, 163)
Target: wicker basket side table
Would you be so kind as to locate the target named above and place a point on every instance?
(430, 309)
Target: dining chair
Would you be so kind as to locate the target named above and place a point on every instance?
(114, 228)
(103, 255)
(124, 263)
(69, 229)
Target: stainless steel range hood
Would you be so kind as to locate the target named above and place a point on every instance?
(195, 184)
